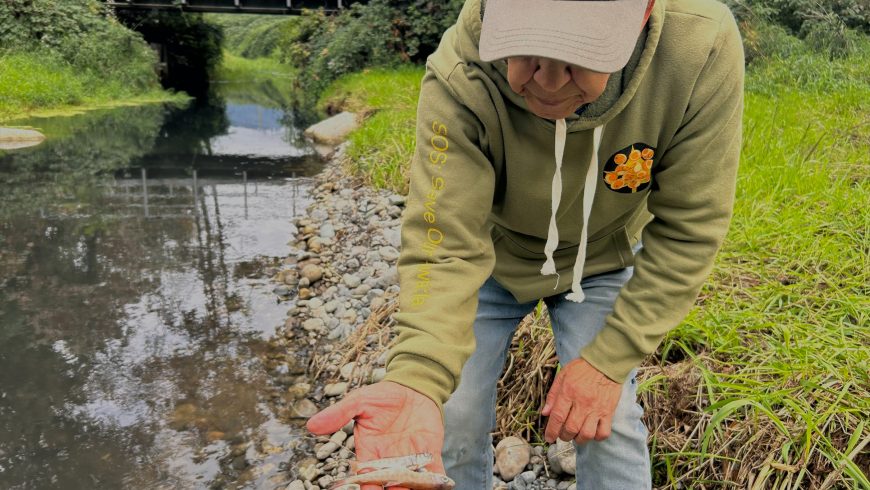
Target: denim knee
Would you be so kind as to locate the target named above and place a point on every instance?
(468, 417)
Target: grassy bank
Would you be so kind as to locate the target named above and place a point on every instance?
(380, 150)
(40, 84)
(765, 384)
(234, 68)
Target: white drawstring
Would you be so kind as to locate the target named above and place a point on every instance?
(549, 267)
(588, 195)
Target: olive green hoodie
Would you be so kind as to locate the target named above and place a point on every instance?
(483, 172)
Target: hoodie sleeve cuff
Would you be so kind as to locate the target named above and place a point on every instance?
(612, 353)
(422, 375)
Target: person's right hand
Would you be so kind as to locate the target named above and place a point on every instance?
(391, 420)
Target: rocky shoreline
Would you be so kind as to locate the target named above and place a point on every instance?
(341, 284)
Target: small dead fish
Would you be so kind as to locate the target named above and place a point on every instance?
(400, 477)
(413, 462)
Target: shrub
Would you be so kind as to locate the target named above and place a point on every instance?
(827, 32)
(379, 33)
(764, 41)
(82, 32)
(792, 14)
(252, 36)
(832, 27)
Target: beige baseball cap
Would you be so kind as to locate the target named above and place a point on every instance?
(596, 34)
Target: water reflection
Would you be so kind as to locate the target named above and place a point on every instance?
(134, 302)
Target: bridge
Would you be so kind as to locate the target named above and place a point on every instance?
(282, 7)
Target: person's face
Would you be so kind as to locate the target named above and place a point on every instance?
(554, 89)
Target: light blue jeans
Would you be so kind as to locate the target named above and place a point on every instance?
(621, 462)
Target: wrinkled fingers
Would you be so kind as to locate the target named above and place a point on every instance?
(555, 424)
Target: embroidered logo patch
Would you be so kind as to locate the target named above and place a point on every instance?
(630, 169)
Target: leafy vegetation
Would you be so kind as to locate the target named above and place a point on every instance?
(79, 32)
(40, 81)
(69, 53)
(776, 28)
(324, 48)
(381, 149)
(253, 36)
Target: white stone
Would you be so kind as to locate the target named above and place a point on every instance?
(335, 389)
(312, 272)
(347, 370)
(512, 454)
(388, 253)
(327, 231)
(326, 450)
(313, 325)
(561, 457)
(304, 409)
(351, 280)
(378, 375)
(315, 303)
(334, 130)
(393, 237)
(296, 485)
(338, 437)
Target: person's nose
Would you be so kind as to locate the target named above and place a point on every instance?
(552, 75)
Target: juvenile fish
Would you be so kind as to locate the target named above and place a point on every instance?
(400, 477)
(413, 462)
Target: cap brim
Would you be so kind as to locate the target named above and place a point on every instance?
(598, 35)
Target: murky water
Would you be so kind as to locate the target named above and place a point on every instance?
(135, 305)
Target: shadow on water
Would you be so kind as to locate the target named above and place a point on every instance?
(136, 247)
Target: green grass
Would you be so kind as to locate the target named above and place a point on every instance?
(262, 81)
(33, 83)
(235, 68)
(776, 353)
(765, 384)
(381, 148)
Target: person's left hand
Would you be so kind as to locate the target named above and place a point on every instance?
(580, 404)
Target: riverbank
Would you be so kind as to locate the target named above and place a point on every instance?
(42, 85)
(339, 282)
(765, 381)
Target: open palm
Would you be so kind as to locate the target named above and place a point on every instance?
(391, 420)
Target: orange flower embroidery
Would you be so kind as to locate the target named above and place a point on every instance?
(630, 170)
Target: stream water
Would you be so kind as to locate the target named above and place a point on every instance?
(135, 304)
